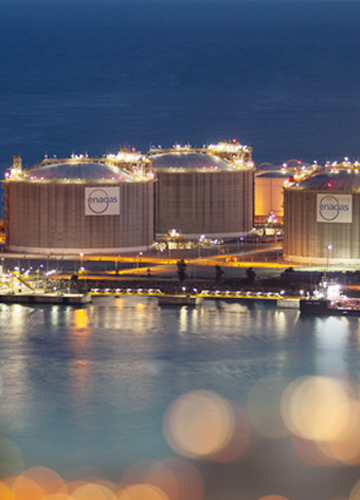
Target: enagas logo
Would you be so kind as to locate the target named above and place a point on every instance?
(330, 208)
(98, 201)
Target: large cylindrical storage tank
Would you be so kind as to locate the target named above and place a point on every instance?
(77, 206)
(322, 218)
(202, 194)
(269, 198)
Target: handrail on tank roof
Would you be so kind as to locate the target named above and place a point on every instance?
(85, 159)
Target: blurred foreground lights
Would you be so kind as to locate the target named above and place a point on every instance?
(92, 492)
(49, 481)
(203, 424)
(355, 492)
(142, 492)
(25, 488)
(152, 473)
(264, 403)
(273, 497)
(316, 454)
(318, 408)
(323, 415)
(176, 477)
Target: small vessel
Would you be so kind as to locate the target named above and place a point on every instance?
(342, 306)
(329, 301)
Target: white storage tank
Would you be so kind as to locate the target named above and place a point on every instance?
(200, 192)
(322, 217)
(78, 205)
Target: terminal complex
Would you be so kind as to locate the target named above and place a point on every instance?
(124, 202)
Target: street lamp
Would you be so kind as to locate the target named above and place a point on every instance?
(310, 269)
(328, 248)
(138, 259)
(201, 239)
(81, 262)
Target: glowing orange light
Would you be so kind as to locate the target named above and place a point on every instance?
(189, 480)
(142, 492)
(273, 497)
(199, 423)
(49, 481)
(26, 489)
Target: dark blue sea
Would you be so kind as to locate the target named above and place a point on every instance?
(91, 75)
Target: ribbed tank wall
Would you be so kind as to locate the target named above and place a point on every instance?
(268, 196)
(52, 215)
(308, 239)
(196, 203)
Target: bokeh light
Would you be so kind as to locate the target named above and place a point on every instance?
(273, 497)
(189, 480)
(49, 481)
(25, 488)
(58, 496)
(264, 404)
(5, 492)
(163, 478)
(11, 459)
(142, 492)
(355, 492)
(199, 424)
(311, 452)
(347, 447)
(317, 408)
(241, 436)
(92, 491)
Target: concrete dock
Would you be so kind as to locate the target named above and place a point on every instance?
(45, 298)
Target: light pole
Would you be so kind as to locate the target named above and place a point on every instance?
(328, 248)
(310, 269)
(81, 262)
(200, 241)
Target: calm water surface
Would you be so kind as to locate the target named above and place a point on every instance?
(90, 386)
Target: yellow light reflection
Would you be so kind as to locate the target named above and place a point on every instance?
(81, 320)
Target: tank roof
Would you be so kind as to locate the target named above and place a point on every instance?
(277, 174)
(268, 167)
(331, 180)
(189, 161)
(78, 171)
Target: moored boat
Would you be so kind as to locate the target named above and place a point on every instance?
(339, 307)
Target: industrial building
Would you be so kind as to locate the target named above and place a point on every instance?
(80, 204)
(204, 192)
(270, 180)
(322, 216)
(269, 197)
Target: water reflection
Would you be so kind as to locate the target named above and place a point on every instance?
(93, 384)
